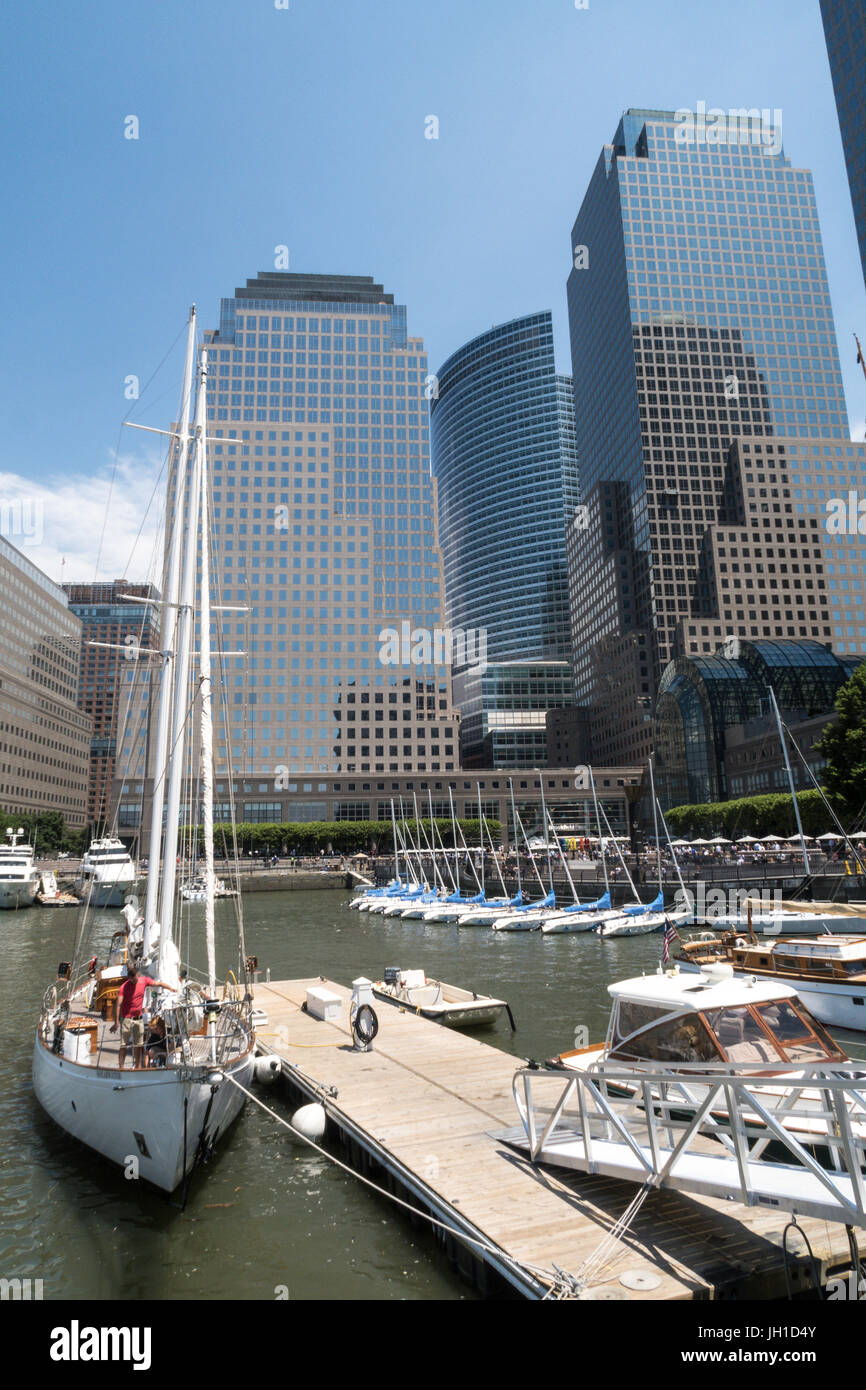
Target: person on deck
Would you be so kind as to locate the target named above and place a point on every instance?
(127, 1013)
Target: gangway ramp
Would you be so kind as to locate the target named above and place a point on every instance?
(794, 1141)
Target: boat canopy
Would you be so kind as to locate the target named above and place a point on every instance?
(731, 1022)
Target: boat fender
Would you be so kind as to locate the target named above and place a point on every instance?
(310, 1121)
(266, 1070)
(91, 965)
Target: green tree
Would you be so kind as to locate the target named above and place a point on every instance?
(843, 744)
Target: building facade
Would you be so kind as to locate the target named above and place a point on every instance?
(845, 32)
(700, 314)
(112, 703)
(44, 736)
(504, 457)
(715, 733)
(325, 528)
(301, 799)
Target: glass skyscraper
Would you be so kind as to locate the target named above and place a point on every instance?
(845, 32)
(504, 457)
(700, 313)
(324, 518)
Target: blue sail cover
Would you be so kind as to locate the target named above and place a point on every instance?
(517, 899)
(549, 901)
(600, 905)
(640, 909)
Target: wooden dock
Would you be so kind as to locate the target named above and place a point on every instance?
(417, 1115)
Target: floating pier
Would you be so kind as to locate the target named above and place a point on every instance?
(419, 1114)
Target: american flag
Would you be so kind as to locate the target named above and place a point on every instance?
(671, 934)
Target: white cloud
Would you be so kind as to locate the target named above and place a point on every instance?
(88, 521)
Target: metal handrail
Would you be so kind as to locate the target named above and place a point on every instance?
(728, 1104)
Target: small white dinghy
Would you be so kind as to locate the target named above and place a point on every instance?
(433, 999)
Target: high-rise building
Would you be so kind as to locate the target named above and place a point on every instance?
(700, 315)
(845, 32)
(112, 676)
(324, 521)
(504, 457)
(44, 736)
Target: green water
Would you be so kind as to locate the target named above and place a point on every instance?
(265, 1213)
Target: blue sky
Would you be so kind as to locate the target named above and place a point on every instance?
(305, 127)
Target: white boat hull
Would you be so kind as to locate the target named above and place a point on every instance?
(482, 917)
(577, 921)
(18, 893)
(105, 894)
(520, 921)
(790, 924)
(154, 1116)
(633, 926)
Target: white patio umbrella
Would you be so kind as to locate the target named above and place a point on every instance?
(748, 840)
(768, 839)
(720, 840)
(699, 841)
(858, 835)
(829, 836)
(679, 844)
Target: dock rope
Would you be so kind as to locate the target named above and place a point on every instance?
(561, 1284)
(595, 1263)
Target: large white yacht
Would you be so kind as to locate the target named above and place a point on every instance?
(19, 879)
(107, 875)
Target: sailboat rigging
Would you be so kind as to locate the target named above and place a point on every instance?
(162, 1118)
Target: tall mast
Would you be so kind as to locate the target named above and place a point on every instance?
(655, 820)
(481, 837)
(784, 744)
(516, 842)
(206, 696)
(598, 826)
(170, 596)
(454, 839)
(546, 833)
(181, 689)
(396, 851)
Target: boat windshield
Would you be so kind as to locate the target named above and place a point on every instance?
(681, 1038)
(741, 1036)
(799, 1036)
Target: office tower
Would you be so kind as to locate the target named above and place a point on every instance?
(700, 316)
(502, 429)
(44, 736)
(845, 32)
(324, 520)
(112, 679)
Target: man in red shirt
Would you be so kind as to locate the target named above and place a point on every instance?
(127, 1013)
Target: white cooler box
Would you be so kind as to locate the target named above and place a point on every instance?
(323, 1004)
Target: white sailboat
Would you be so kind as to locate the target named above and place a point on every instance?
(162, 1118)
(641, 918)
(19, 878)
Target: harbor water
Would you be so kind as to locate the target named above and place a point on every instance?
(267, 1218)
